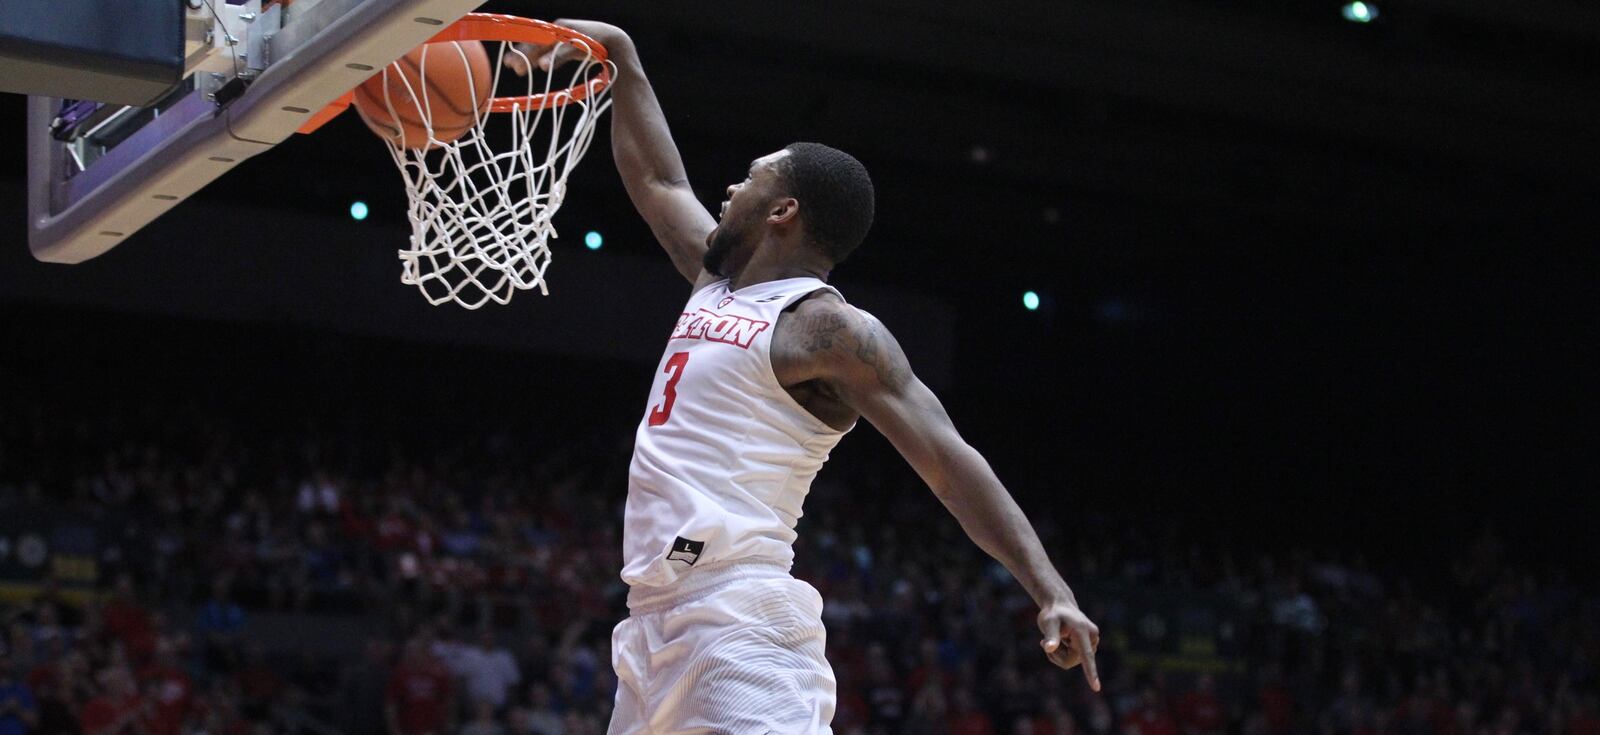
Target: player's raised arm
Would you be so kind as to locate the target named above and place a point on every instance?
(642, 145)
(860, 363)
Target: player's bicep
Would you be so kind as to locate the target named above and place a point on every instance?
(916, 423)
(679, 222)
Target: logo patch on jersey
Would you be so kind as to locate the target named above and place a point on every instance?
(686, 550)
(770, 299)
(713, 327)
(724, 302)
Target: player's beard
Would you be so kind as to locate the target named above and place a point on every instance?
(722, 242)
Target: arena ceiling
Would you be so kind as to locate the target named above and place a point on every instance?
(1106, 126)
(1113, 130)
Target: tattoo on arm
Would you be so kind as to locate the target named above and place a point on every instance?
(821, 330)
(866, 340)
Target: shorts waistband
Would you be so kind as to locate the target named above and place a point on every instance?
(699, 583)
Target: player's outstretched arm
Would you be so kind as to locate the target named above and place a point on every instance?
(862, 365)
(642, 145)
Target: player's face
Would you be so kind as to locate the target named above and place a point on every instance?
(730, 244)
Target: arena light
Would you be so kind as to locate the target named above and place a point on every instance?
(358, 210)
(1360, 12)
(1030, 301)
(593, 240)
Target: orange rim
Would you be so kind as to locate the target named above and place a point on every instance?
(333, 110)
(516, 29)
(512, 29)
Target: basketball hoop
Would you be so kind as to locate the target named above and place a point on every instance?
(480, 212)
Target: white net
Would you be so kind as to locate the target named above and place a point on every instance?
(481, 205)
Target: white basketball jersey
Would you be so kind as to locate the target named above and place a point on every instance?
(724, 456)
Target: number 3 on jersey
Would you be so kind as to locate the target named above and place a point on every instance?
(675, 365)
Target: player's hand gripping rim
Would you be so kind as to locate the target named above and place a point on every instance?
(1070, 639)
(548, 56)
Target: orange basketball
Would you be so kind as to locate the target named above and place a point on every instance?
(447, 84)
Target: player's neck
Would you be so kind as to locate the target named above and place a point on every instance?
(777, 267)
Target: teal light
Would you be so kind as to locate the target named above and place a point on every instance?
(358, 210)
(1360, 12)
(593, 240)
(1030, 301)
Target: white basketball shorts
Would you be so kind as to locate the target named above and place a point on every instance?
(735, 649)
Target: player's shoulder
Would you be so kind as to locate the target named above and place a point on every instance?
(823, 312)
(836, 339)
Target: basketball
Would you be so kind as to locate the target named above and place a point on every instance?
(447, 84)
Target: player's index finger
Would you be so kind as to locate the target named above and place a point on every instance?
(1086, 653)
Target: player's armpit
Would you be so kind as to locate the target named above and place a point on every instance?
(862, 364)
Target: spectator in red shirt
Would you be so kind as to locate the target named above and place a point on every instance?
(169, 690)
(928, 670)
(1586, 719)
(967, 718)
(128, 621)
(48, 667)
(851, 710)
(929, 711)
(393, 529)
(420, 699)
(118, 710)
(1150, 717)
(1200, 712)
(356, 518)
(60, 700)
(259, 685)
(1277, 706)
(1054, 719)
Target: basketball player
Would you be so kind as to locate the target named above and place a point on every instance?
(767, 367)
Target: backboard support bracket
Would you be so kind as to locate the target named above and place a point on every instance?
(317, 56)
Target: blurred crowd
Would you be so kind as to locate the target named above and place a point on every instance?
(480, 563)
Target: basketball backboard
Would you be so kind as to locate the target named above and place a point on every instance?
(256, 72)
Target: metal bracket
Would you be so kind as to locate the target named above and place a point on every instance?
(317, 53)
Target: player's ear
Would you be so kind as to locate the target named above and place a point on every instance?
(784, 209)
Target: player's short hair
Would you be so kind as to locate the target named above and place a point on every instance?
(835, 194)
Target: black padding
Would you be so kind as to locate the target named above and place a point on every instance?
(128, 52)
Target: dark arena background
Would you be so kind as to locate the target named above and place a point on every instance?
(1300, 400)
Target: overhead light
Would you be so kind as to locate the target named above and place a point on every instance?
(1360, 12)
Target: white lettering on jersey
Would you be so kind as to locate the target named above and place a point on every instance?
(726, 328)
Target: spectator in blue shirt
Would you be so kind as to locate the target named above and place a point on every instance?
(18, 712)
(219, 623)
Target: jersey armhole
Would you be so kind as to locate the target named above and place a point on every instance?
(801, 298)
(772, 367)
